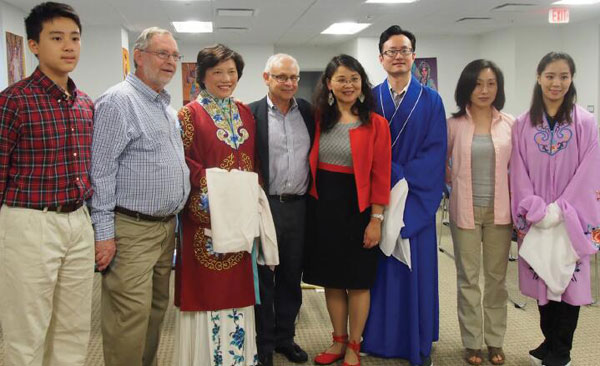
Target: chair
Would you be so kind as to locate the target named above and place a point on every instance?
(444, 220)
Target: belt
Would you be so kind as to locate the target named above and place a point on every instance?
(287, 197)
(67, 208)
(141, 216)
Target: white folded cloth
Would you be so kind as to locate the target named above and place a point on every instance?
(548, 250)
(239, 212)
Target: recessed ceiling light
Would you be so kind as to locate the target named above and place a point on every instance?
(345, 28)
(193, 26)
(576, 2)
(235, 12)
(390, 1)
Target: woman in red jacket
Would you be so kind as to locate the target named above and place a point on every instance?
(350, 164)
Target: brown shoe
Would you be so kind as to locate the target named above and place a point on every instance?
(473, 356)
(496, 355)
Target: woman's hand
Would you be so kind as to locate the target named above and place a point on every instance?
(372, 233)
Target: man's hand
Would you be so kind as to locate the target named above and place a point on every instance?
(105, 252)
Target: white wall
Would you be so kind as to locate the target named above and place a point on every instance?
(310, 58)
(581, 41)
(13, 20)
(518, 51)
(100, 63)
(452, 54)
(500, 47)
(250, 87)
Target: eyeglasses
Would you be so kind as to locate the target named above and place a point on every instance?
(348, 81)
(284, 78)
(164, 55)
(403, 51)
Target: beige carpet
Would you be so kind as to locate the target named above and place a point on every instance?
(313, 329)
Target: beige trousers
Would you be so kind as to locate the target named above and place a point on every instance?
(493, 241)
(135, 291)
(46, 282)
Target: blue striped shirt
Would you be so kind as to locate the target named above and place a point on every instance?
(137, 155)
(289, 144)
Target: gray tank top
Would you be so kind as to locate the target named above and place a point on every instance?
(334, 145)
(483, 170)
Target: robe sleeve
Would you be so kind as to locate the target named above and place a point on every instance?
(425, 174)
(192, 147)
(527, 208)
(579, 201)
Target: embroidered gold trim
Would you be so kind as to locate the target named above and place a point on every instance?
(228, 162)
(187, 128)
(196, 199)
(247, 163)
(213, 261)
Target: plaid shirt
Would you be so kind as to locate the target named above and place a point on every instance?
(45, 143)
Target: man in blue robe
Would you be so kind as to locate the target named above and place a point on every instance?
(404, 315)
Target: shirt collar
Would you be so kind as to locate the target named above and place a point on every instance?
(52, 88)
(495, 114)
(402, 92)
(147, 91)
(293, 105)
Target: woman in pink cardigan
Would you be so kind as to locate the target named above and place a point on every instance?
(479, 147)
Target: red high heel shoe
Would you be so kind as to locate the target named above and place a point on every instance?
(324, 358)
(355, 347)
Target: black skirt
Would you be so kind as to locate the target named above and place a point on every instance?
(334, 256)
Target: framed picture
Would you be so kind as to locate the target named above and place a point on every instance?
(15, 57)
(191, 88)
(126, 66)
(425, 70)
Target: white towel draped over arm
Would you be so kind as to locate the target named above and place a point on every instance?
(548, 250)
(391, 241)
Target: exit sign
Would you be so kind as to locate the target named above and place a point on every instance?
(558, 15)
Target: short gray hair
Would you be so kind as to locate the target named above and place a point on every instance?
(141, 43)
(143, 40)
(278, 58)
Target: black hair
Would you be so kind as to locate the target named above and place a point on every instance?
(45, 12)
(330, 114)
(537, 109)
(395, 30)
(212, 56)
(468, 81)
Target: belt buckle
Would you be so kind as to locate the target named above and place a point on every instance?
(59, 208)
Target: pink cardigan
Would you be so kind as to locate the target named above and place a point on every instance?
(460, 139)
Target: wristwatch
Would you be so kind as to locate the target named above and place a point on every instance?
(377, 216)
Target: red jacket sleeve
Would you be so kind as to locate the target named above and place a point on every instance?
(382, 161)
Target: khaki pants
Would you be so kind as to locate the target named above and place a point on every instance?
(135, 291)
(494, 241)
(46, 282)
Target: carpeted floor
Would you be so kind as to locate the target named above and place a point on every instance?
(313, 329)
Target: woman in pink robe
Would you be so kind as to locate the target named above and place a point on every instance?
(556, 159)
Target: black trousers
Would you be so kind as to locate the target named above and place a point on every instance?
(280, 292)
(558, 321)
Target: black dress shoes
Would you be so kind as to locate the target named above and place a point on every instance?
(293, 352)
(265, 360)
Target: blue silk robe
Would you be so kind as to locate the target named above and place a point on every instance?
(404, 315)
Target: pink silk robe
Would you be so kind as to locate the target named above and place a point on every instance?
(561, 166)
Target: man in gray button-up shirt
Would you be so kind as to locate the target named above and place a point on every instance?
(284, 132)
(141, 181)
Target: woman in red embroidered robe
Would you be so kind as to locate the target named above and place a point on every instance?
(214, 292)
